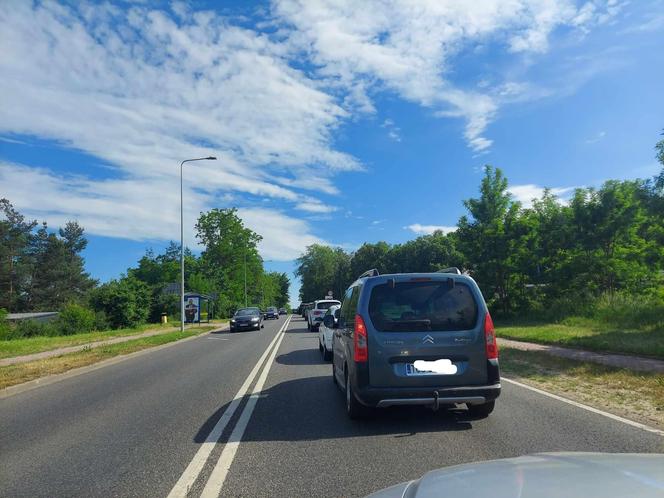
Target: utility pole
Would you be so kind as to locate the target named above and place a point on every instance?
(211, 158)
(245, 275)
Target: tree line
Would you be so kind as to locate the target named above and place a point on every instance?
(608, 240)
(42, 270)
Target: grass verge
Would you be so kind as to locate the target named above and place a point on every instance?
(24, 372)
(637, 396)
(30, 345)
(587, 334)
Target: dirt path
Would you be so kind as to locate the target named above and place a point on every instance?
(637, 363)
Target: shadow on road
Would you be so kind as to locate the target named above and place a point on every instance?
(313, 408)
(298, 326)
(301, 357)
(228, 332)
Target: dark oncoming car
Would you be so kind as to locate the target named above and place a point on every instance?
(415, 339)
(247, 319)
(272, 313)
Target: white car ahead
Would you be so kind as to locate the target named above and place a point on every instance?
(315, 314)
(325, 334)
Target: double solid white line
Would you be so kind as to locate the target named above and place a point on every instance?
(218, 476)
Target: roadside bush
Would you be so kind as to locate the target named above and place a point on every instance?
(33, 328)
(125, 302)
(101, 321)
(4, 324)
(619, 310)
(75, 319)
(629, 312)
(164, 303)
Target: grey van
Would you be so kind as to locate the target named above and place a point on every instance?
(415, 339)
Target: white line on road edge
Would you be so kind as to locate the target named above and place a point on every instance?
(586, 407)
(216, 481)
(196, 465)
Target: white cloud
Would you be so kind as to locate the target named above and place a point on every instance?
(407, 47)
(393, 131)
(141, 90)
(314, 206)
(599, 136)
(139, 211)
(429, 229)
(526, 193)
(653, 21)
(284, 238)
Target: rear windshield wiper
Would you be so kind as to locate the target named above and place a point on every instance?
(420, 323)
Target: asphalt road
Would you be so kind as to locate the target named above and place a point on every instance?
(139, 427)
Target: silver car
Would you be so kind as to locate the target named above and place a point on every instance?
(545, 475)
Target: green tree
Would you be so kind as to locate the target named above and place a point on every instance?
(608, 227)
(425, 254)
(15, 262)
(283, 290)
(487, 239)
(231, 252)
(370, 256)
(659, 179)
(59, 275)
(322, 269)
(125, 302)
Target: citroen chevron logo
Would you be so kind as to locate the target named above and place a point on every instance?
(427, 339)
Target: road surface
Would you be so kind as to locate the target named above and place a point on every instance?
(142, 427)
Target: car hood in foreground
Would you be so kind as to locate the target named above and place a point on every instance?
(560, 475)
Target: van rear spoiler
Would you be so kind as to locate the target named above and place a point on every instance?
(370, 273)
(451, 269)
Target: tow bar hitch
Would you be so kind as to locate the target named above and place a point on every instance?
(436, 404)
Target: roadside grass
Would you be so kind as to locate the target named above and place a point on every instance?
(585, 333)
(24, 372)
(37, 344)
(637, 396)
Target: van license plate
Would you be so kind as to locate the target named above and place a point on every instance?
(438, 367)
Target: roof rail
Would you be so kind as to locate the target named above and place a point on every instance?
(451, 269)
(370, 273)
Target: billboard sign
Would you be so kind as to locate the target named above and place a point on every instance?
(192, 308)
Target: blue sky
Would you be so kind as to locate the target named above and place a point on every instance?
(333, 122)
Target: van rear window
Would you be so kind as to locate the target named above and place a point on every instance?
(434, 305)
(326, 304)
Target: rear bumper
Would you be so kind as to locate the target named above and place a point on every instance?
(384, 397)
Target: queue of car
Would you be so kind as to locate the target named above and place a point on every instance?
(409, 339)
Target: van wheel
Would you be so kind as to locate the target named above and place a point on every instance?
(354, 409)
(481, 411)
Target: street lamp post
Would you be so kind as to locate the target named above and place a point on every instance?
(211, 158)
(245, 275)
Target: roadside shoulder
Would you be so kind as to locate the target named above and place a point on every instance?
(634, 395)
(24, 377)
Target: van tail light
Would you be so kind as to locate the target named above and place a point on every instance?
(317, 312)
(360, 340)
(490, 338)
